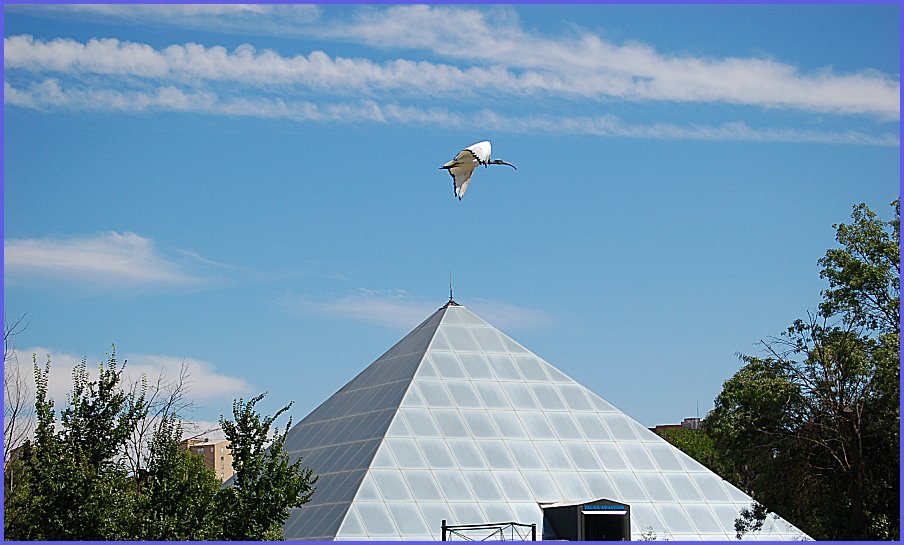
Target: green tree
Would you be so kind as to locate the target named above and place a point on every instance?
(265, 484)
(73, 483)
(71, 487)
(177, 497)
(812, 427)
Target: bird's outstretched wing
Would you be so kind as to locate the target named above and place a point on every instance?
(461, 168)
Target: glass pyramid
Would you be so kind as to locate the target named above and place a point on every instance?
(459, 422)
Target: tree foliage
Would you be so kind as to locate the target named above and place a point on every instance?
(76, 481)
(265, 484)
(811, 428)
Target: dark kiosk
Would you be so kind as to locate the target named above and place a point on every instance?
(600, 520)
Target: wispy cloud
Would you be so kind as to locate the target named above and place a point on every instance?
(399, 309)
(206, 385)
(258, 18)
(118, 258)
(588, 64)
(50, 94)
(395, 309)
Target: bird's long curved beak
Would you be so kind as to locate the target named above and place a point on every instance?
(501, 162)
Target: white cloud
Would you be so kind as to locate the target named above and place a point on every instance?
(502, 60)
(589, 65)
(206, 385)
(122, 258)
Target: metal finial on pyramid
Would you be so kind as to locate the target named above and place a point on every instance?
(451, 298)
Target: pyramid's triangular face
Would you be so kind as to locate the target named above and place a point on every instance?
(458, 422)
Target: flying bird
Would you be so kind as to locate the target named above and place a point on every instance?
(462, 167)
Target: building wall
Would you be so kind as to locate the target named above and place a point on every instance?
(217, 455)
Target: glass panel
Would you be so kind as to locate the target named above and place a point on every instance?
(376, 519)
(463, 394)
(592, 426)
(555, 374)
(619, 426)
(332, 520)
(548, 396)
(628, 487)
(725, 515)
(467, 513)
(483, 485)
(384, 458)
(412, 398)
(542, 486)
(531, 367)
(476, 366)
(526, 455)
(452, 316)
(434, 393)
(644, 518)
(735, 494)
(434, 514)
(599, 403)
(609, 456)
(504, 367)
(599, 485)
(406, 453)
(479, 423)
(675, 519)
(460, 339)
(536, 425)
(520, 395)
(664, 457)
(553, 455)
(511, 345)
(564, 425)
(487, 339)
(574, 397)
(528, 513)
(352, 525)
(439, 342)
(501, 512)
(508, 425)
(491, 395)
(426, 369)
(582, 456)
(368, 490)
(420, 422)
(398, 428)
(447, 365)
(703, 519)
(711, 486)
(656, 487)
(436, 453)
(513, 486)
(453, 486)
(391, 484)
(683, 487)
(408, 519)
(422, 485)
(466, 454)
(450, 424)
(496, 454)
(571, 485)
(637, 456)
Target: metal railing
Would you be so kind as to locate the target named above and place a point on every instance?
(497, 531)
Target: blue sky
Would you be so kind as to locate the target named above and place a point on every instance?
(254, 189)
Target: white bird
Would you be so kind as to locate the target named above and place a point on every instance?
(462, 167)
